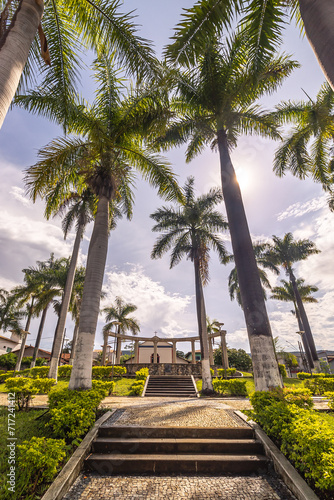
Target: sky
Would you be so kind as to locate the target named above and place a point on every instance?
(165, 298)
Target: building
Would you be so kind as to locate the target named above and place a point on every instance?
(198, 356)
(29, 351)
(8, 344)
(162, 349)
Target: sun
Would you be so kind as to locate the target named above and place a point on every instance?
(243, 178)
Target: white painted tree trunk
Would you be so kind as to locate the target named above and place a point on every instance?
(81, 376)
(74, 342)
(39, 336)
(14, 49)
(318, 18)
(24, 338)
(59, 335)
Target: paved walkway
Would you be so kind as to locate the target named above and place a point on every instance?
(189, 413)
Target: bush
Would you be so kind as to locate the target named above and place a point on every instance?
(320, 385)
(100, 384)
(64, 371)
(39, 371)
(231, 387)
(137, 388)
(73, 413)
(302, 434)
(8, 360)
(40, 459)
(330, 397)
(101, 372)
(282, 370)
(299, 397)
(142, 374)
(212, 372)
(229, 372)
(24, 388)
(6, 375)
(303, 375)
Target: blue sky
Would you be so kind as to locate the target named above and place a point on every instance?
(165, 298)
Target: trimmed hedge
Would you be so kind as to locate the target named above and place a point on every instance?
(232, 387)
(302, 434)
(137, 387)
(101, 372)
(24, 388)
(229, 372)
(320, 385)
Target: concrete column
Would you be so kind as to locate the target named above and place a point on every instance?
(193, 353)
(118, 350)
(174, 352)
(136, 351)
(210, 351)
(155, 353)
(224, 349)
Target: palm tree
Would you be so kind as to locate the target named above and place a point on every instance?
(307, 151)
(68, 30)
(286, 252)
(286, 293)
(10, 315)
(216, 102)
(190, 230)
(263, 22)
(262, 262)
(101, 157)
(117, 315)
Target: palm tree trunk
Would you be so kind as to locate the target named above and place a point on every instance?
(104, 350)
(81, 376)
(74, 342)
(304, 320)
(304, 339)
(265, 366)
(39, 336)
(318, 18)
(59, 334)
(24, 338)
(14, 49)
(202, 331)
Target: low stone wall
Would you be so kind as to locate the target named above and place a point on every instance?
(169, 369)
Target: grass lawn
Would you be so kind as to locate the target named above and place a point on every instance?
(250, 386)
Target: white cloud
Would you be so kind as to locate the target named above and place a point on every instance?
(18, 194)
(299, 209)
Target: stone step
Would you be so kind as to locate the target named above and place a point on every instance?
(177, 446)
(170, 395)
(176, 432)
(118, 463)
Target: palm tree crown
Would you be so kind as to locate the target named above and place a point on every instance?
(118, 313)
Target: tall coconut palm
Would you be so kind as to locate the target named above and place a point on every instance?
(10, 315)
(286, 252)
(262, 264)
(68, 30)
(308, 148)
(101, 157)
(117, 315)
(215, 102)
(190, 230)
(263, 21)
(286, 293)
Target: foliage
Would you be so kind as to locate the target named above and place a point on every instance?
(137, 387)
(108, 386)
(330, 397)
(39, 372)
(300, 397)
(212, 372)
(40, 459)
(290, 360)
(142, 374)
(6, 375)
(303, 435)
(231, 387)
(282, 370)
(72, 413)
(64, 371)
(303, 375)
(28, 359)
(320, 385)
(229, 372)
(8, 360)
(237, 358)
(24, 388)
(103, 372)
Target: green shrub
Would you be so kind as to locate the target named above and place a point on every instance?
(142, 374)
(8, 360)
(137, 388)
(229, 372)
(73, 413)
(39, 371)
(330, 397)
(40, 459)
(302, 434)
(322, 375)
(231, 387)
(282, 370)
(6, 375)
(101, 384)
(320, 385)
(299, 397)
(303, 375)
(24, 388)
(101, 372)
(64, 371)
(212, 372)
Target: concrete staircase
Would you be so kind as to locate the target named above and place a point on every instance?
(170, 386)
(183, 450)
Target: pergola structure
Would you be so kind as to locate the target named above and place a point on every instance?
(122, 337)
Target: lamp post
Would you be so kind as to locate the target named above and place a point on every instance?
(302, 354)
(223, 346)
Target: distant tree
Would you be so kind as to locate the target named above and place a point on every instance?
(8, 361)
(237, 358)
